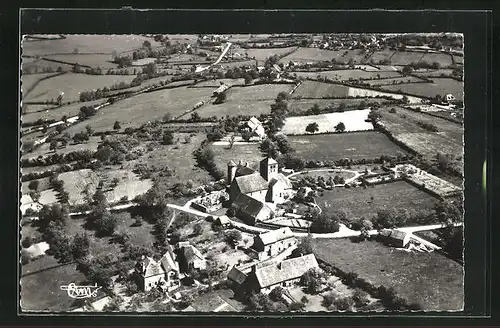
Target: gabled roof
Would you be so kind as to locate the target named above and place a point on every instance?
(224, 219)
(274, 236)
(249, 205)
(236, 275)
(286, 270)
(231, 163)
(151, 267)
(283, 179)
(394, 234)
(191, 253)
(242, 170)
(253, 123)
(268, 161)
(251, 182)
(168, 262)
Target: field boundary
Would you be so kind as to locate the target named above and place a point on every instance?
(25, 93)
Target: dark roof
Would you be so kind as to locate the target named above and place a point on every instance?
(168, 261)
(394, 234)
(242, 170)
(236, 275)
(191, 253)
(248, 205)
(286, 270)
(251, 183)
(268, 160)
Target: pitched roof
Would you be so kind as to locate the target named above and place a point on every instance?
(168, 263)
(223, 219)
(286, 270)
(268, 160)
(243, 170)
(283, 179)
(151, 267)
(231, 163)
(274, 236)
(236, 275)
(191, 253)
(249, 205)
(253, 123)
(394, 234)
(251, 183)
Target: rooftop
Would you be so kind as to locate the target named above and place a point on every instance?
(287, 270)
(274, 236)
(251, 182)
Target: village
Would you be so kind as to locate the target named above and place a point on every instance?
(244, 173)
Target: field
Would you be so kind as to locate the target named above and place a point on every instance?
(443, 59)
(458, 59)
(441, 86)
(88, 44)
(35, 112)
(258, 92)
(345, 145)
(434, 72)
(29, 80)
(40, 285)
(430, 279)
(235, 107)
(72, 84)
(354, 120)
(312, 89)
(130, 112)
(406, 58)
(43, 184)
(262, 54)
(377, 56)
(399, 194)
(429, 144)
(44, 149)
(92, 60)
(217, 83)
(316, 54)
(129, 185)
(245, 152)
(75, 183)
(346, 74)
(38, 65)
(295, 105)
(406, 79)
(178, 157)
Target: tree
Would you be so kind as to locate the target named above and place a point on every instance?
(80, 246)
(297, 306)
(33, 185)
(325, 223)
(53, 144)
(340, 127)
(315, 109)
(269, 149)
(374, 115)
(448, 213)
(220, 98)
(53, 213)
(312, 127)
(168, 138)
(106, 224)
(305, 246)
(167, 117)
(405, 100)
(407, 69)
(233, 237)
(312, 280)
(248, 78)
(260, 302)
(195, 117)
(89, 130)
(197, 229)
(231, 141)
(117, 126)
(246, 135)
(360, 297)
(276, 294)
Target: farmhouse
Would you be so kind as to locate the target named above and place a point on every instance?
(191, 259)
(251, 210)
(267, 185)
(285, 274)
(256, 127)
(272, 243)
(163, 274)
(221, 89)
(396, 238)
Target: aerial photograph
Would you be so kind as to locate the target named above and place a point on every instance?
(241, 173)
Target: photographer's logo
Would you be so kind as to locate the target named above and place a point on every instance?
(80, 292)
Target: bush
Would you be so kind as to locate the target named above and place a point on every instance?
(27, 242)
(276, 294)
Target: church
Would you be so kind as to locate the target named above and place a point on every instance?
(254, 193)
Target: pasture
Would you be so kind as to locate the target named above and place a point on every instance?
(239, 152)
(441, 86)
(378, 56)
(72, 84)
(313, 89)
(429, 144)
(49, 112)
(29, 80)
(258, 92)
(430, 279)
(433, 72)
(86, 44)
(305, 55)
(44, 149)
(458, 59)
(37, 66)
(92, 60)
(348, 74)
(217, 83)
(235, 107)
(129, 185)
(441, 58)
(262, 54)
(398, 194)
(394, 81)
(354, 120)
(77, 182)
(131, 111)
(298, 105)
(405, 120)
(406, 57)
(337, 146)
(177, 158)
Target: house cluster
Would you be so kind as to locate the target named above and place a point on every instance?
(166, 272)
(255, 193)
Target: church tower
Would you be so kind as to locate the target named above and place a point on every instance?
(268, 168)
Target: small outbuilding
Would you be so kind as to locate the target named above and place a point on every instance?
(396, 238)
